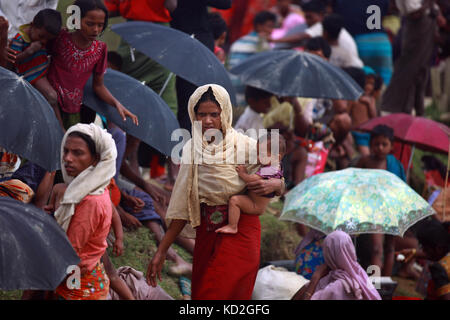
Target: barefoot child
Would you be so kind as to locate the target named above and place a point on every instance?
(252, 203)
(76, 56)
(381, 143)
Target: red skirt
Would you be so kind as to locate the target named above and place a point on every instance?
(225, 265)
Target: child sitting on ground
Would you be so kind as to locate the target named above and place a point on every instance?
(252, 203)
(27, 51)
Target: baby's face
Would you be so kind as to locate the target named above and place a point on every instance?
(41, 35)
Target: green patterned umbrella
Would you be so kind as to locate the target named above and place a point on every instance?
(356, 201)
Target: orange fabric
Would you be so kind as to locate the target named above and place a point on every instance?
(114, 192)
(89, 228)
(142, 10)
(156, 170)
(93, 286)
(16, 189)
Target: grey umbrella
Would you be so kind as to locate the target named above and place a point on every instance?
(177, 51)
(291, 73)
(34, 250)
(28, 125)
(156, 120)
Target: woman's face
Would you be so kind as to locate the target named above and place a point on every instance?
(77, 156)
(92, 24)
(209, 114)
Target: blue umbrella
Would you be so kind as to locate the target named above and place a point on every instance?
(28, 125)
(177, 51)
(290, 73)
(156, 120)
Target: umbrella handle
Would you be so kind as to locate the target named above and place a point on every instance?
(410, 161)
(165, 84)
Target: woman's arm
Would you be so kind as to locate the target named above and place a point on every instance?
(156, 264)
(103, 93)
(267, 186)
(116, 225)
(44, 189)
(306, 292)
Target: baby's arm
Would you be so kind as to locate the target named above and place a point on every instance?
(244, 175)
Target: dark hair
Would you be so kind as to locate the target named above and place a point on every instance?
(264, 16)
(333, 25)
(319, 43)
(357, 74)
(378, 80)
(48, 19)
(382, 130)
(217, 24)
(316, 6)
(268, 138)
(433, 163)
(207, 96)
(90, 143)
(255, 93)
(115, 59)
(432, 233)
(89, 5)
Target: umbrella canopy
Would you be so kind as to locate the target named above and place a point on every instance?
(355, 201)
(178, 52)
(28, 125)
(156, 120)
(290, 73)
(425, 133)
(34, 249)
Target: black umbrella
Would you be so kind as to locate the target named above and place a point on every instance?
(34, 249)
(290, 73)
(156, 120)
(177, 51)
(28, 125)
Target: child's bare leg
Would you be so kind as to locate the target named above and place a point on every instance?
(115, 282)
(131, 153)
(182, 267)
(389, 253)
(46, 89)
(237, 204)
(377, 250)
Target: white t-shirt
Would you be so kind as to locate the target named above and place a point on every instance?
(343, 58)
(345, 40)
(408, 6)
(250, 119)
(19, 12)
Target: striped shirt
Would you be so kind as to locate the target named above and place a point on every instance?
(35, 66)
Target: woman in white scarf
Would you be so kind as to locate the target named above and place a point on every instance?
(88, 157)
(224, 266)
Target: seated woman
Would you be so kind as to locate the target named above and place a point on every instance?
(341, 277)
(224, 265)
(88, 158)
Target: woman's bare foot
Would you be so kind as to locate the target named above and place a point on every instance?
(181, 269)
(227, 229)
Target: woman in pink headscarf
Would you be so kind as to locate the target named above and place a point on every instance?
(341, 277)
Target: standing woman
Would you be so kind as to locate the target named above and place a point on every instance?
(224, 266)
(88, 159)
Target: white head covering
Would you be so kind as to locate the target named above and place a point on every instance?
(217, 179)
(93, 180)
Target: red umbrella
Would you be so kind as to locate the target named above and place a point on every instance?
(424, 133)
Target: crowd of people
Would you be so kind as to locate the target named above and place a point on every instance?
(212, 209)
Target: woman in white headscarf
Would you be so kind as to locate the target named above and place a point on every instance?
(88, 157)
(224, 266)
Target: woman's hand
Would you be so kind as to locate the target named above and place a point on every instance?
(135, 203)
(154, 268)
(263, 186)
(157, 194)
(118, 247)
(124, 113)
(320, 272)
(130, 221)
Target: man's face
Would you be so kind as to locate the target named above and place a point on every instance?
(312, 18)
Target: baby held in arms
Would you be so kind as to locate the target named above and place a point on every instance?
(251, 203)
